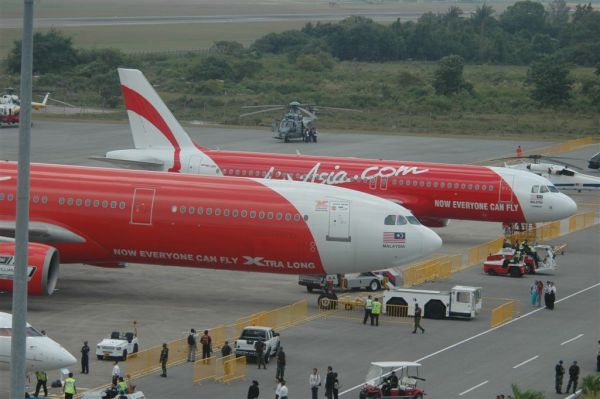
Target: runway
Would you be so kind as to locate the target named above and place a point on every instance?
(91, 302)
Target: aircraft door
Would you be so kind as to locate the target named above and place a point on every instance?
(383, 183)
(339, 221)
(373, 183)
(142, 207)
(506, 192)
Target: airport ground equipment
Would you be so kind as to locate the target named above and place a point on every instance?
(117, 346)
(244, 346)
(460, 302)
(379, 385)
(540, 259)
(342, 282)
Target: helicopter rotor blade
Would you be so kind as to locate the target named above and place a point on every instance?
(262, 106)
(340, 109)
(307, 112)
(261, 111)
(62, 102)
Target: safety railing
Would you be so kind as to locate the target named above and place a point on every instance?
(480, 252)
(582, 221)
(235, 369)
(351, 308)
(213, 368)
(428, 270)
(505, 312)
(146, 362)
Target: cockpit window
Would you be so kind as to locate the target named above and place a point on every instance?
(32, 332)
(553, 189)
(535, 189)
(401, 220)
(390, 220)
(413, 220)
(544, 189)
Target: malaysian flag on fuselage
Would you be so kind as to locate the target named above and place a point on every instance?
(394, 238)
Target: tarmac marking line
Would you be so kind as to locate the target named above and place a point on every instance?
(571, 340)
(473, 388)
(525, 362)
(486, 332)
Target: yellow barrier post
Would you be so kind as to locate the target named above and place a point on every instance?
(236, 369)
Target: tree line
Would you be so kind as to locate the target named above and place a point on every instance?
(524, 33)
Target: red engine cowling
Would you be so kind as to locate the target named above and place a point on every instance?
(42, 273)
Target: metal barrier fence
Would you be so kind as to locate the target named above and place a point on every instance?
(146, 361)
(234, 369)
(444, 265)
(505, 312)
(213, 368)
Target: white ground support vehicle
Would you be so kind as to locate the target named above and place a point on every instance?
(117, 346)
(460, 302)
(341, 282)
(381, 384)
(244, 346)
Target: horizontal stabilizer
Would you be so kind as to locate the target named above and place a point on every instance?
(125, 163)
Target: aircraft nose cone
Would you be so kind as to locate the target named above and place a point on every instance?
(430, 241)
(565, 207)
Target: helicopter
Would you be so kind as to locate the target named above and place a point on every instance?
(10, 107)
(562, 174)
(299, 119)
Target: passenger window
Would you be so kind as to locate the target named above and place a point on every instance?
(415, 183)
(61, 201)
(544, 189)
(463, 186)
(261, 214)
(400, 182)
(191, 210)
(491, 188)
(470, 187)
(252, 214)
(113, 204)
(237, 172)
(36, 199)
(279, 215)
(483, 187)
(394, 182)
(428, 184)
(288, 217)
(435, 184)
(390, 220)
(182, 209)
(477, 187)
(443, 185)
(455, 186)
(297, 217)
(400, 220)
(96, 203)
(218, 212)
(9, 197)
(105, 204)
(244, 172)
(69, 201)
(200, 210)
(88, 203)
(122, 205)
(235, 213)
(1, 196)
(535, 189)
(413, 220)
(270, 216)
(44, 200)
(208, 211)
(225, 212)
(421, 183)
(244, 213)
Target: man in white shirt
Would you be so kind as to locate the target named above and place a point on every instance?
(283, 391)
(116, 373)
(314, 381)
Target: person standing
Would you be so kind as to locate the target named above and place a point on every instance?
(573, 377)
(116, 372)
(283, 391)
(259, 347)
(533, 293)
(206, 342)
(42, 381)
(69, 388)
(85, 359)
(551, 294)
(253, 391)
(329, 383)
(225, 349)
(376, 311)
(192, 346)
(559, 372)
(417, 320)
(547, 295)
(540, 291)
(336, 386)
(164, 358)
(280, 364)
(598, 358)
(519, 152)
(368, 309)
(278, 389)
(314, 381)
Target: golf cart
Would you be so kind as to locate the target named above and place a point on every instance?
(382, 384)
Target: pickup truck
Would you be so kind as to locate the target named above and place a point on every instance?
(118, 345)
(244, 346)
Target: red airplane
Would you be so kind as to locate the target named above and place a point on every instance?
(109, 216)
(434, 192)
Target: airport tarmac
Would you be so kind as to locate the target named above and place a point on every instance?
(92, 302)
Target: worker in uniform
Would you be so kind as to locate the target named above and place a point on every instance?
(559, 372)
(69, 388)
(375, 312)
(42, 380)
(368, 309)
(519, 152)
(164, 358)
(85, 359)
(116, 372)
(122, 386)
(280, 364)
(259, 347)
(417, 319)
(573, 376)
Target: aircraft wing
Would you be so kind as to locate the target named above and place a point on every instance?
(129, 164)
(41, 232)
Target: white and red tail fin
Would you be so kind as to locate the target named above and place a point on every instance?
(152, 124)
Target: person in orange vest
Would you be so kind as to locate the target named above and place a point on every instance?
(519, 152)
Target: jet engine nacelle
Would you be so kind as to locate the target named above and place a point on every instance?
(42, 272)
(434, 222)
